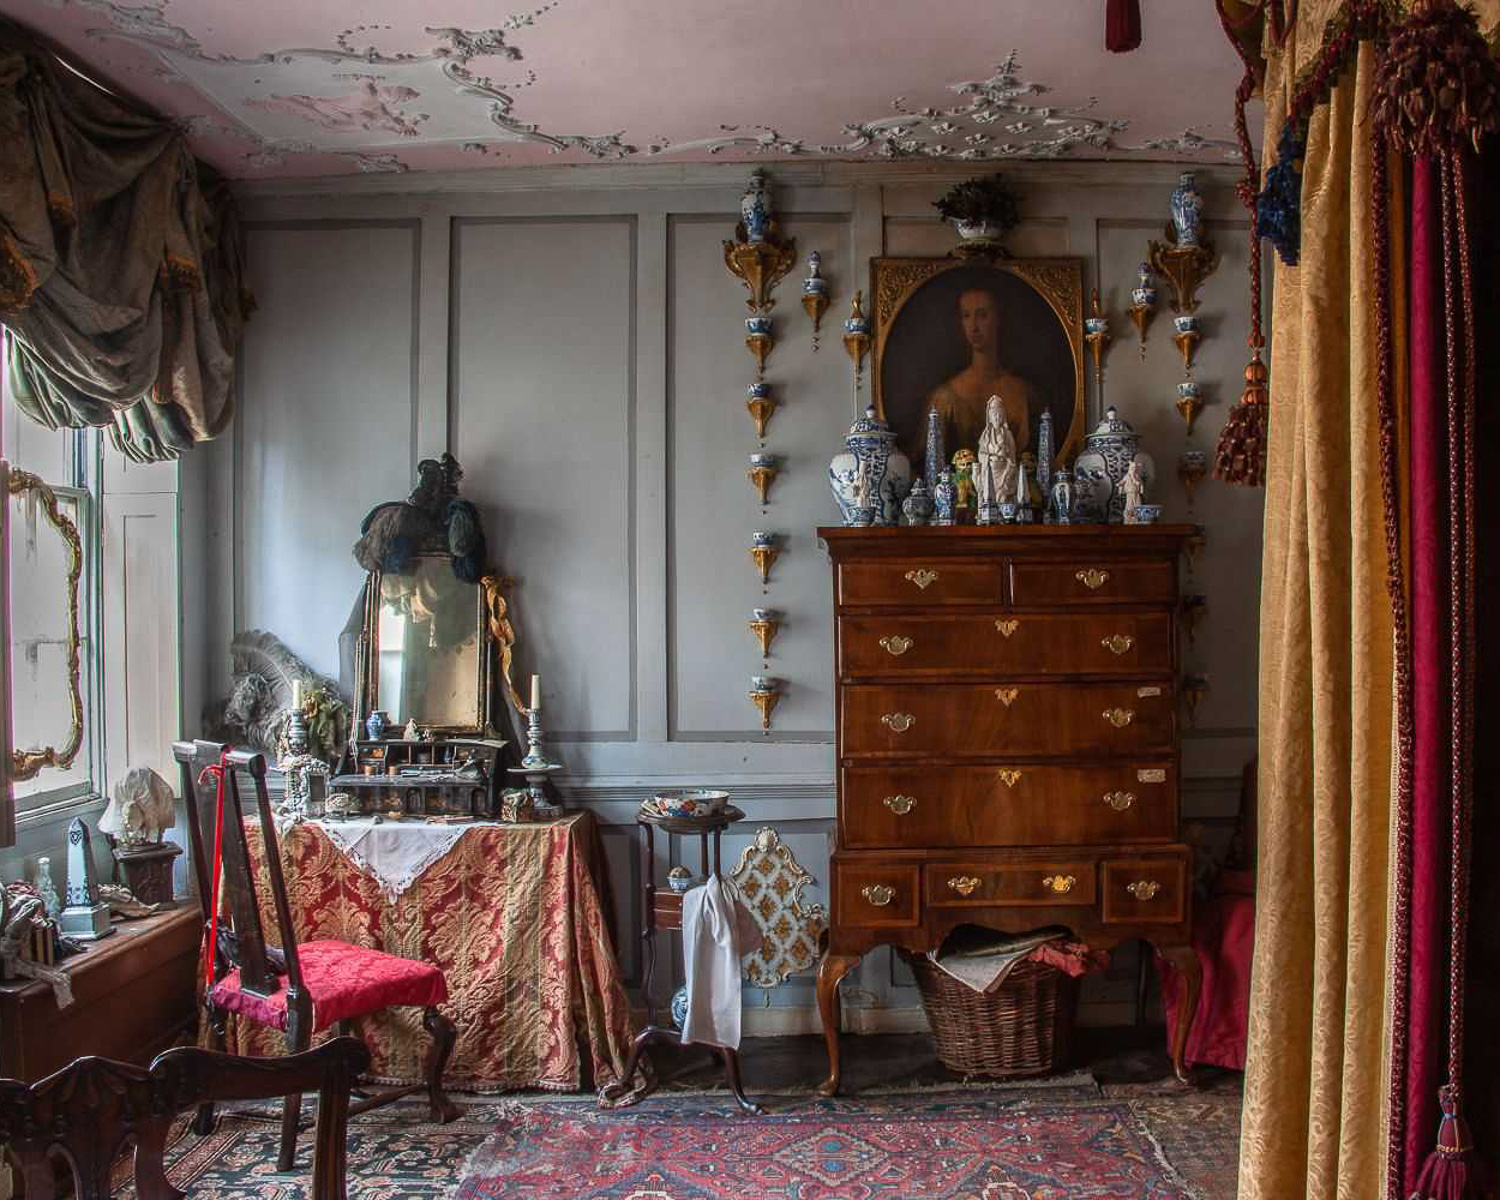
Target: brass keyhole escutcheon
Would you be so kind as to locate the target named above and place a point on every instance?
(1143, 889)
(1061, 884)
(878, 894)
(1009, 776)
(900, 805)
(1007, 627)
(1092, 578)
(1118, 643)
(1007, 696)
(898, 722)
(1119, 717)
(922, 578)
(896, 645)
(1119, 801)
(963, 884)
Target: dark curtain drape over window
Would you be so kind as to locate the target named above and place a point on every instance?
(120, 271)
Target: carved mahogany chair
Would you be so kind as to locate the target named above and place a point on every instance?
(304, 989)
(91, 1111)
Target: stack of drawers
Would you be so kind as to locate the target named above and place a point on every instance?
(1007, 740)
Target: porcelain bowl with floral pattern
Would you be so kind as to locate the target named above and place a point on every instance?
(687, 802)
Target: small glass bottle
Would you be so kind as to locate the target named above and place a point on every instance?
(46, 888)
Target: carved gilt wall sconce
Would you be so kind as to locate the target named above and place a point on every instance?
(765, 693)
(1096, 334)
(765, 623)
(1194, 689)
(857, 336)
(1192, 467)
(1189, 403)
(1186, 336)
(759, 342)
(764, 553)
(758, 256)
(762, 473)
(1184, 268)
(815, 295)
(1194, 609)
(27, 764)
(1143, 304)
(761, 405)
(1193, 547)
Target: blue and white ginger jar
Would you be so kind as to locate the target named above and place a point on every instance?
(1098, 472)
(755, 207)
(870, 442)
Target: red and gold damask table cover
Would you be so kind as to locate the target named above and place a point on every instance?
(517, 919)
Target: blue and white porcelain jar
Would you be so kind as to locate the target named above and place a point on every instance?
(1187, 210)
(814, 284)
(376, 724)
(870, 446)
(757, 326)
(1144, 295)
(679, 1007)
(1107, 454)
(916, 509)
(755, 207)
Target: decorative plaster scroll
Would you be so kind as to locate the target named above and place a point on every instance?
(371, 106)
(770, 880)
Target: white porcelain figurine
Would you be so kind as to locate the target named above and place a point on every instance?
(995, 471)
(1134, 488)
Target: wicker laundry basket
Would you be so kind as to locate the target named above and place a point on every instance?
(1024, 1027)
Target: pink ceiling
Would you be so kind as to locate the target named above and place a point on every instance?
(313, 87)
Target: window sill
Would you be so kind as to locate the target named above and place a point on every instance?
(56, 812)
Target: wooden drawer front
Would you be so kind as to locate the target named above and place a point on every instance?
(1006, 643)
(1094, 581)
(878, 895)
(983, 720)
(1051, 883)
(926, 583)
(1022, 805)
(1145, 889)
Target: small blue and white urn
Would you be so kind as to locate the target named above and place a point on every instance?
(376, 724)
(870, 446)
(1060, 498)
(944, 499)
(814, 284)
(1187, 210)
(1144, 295)
(755, 207)
(679, 1007)
(917, 508)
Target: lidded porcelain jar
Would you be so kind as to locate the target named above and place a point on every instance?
(870, 446)
(1107, 454)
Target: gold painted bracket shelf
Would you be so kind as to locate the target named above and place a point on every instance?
(760, 266)
(1184, 268)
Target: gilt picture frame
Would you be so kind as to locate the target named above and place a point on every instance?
(951, 332)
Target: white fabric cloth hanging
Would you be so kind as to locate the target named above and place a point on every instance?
(717, 932)
(395, 853)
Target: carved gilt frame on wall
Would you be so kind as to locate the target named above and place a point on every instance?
(27, 764)
(895, 282)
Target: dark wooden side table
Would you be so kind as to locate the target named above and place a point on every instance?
(663, 911)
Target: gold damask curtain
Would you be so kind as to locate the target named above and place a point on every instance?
(1315, 1082)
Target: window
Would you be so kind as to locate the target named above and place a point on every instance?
(69, 462)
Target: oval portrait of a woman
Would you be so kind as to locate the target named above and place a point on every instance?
(967, 334)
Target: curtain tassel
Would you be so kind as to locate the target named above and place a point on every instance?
(1241, 453)
(1122, 25)
(1452, 1171)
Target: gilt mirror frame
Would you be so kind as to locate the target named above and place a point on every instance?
(1040, 303)
(367, 682)
(27, 764)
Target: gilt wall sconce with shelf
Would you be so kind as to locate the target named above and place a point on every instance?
(760, 404)
(765, 623)
(763, 553)
(857, 336)
(1186, 336)
(1189, 402)
(1194, 690)
(1096, 334)
(758, 256)
(765, 694)
(1194, 610)
(762, 473)
(759, 342)
(815, 299)
(1187, 257)
(1192, 467)
(1143, 304)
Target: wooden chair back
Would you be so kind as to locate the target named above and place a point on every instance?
(88, 1113)
(260, 965)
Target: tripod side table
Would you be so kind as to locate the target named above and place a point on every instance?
(663, 912)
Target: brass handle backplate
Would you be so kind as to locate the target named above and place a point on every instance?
(963, 884)
(1061, 884)
(1119, 717)
(1007, 626)
(900, 805)
(1118, 643)
(896, 645)
(1092, 578)
(1007, 696)
(878, 894)
(1119, 801)
(922, 577)
(898, 722)
(1009, 776)
(1143, 889)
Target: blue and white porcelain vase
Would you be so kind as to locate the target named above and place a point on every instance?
(870, 445)
(679, 1007)
(814, 284)
(936, 453)
(916, 509)
(1144, 295)
(1107, 454)
(755, 207)
(376, 724)
(1044, 453)
(1060, 498)
(1187, 210)
(944, 499)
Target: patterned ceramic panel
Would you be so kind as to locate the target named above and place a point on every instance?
(771, 880)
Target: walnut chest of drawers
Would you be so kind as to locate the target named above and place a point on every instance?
(1007, 745)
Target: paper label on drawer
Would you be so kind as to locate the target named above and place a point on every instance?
(1151, 775)
(1148, 691)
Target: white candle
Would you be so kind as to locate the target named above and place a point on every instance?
(296, 693)
(536, 691)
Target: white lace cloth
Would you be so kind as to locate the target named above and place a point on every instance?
(395, 853)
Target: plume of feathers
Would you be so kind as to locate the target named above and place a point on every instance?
(431, 519)
(255, 712)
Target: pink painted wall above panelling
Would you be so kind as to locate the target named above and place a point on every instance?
(312, 87)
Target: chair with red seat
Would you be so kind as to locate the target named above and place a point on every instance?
(303, 989)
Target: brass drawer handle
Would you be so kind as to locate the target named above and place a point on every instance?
(1092, 578)
(898, 722)
(1061, 884)
(1119, 717)
(896, 645)
(900, 805)
(1009, 776)
(963, 884)
(878, 894)
(1143, 889)
(922, 577)
(1119, 801)
(1118, 643)
(1007, 627)
(1007, 696)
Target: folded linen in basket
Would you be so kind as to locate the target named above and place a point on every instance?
(981, 958)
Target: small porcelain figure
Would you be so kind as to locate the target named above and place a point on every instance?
(142, 807)
(411, 733)
(755, 207)
(1134, 488)
(995, 474)
(963, 477)
(945, 499)
(46, 889)
(1187, 210)
(1060, 499)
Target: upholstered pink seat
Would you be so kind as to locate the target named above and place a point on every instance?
(344, 981)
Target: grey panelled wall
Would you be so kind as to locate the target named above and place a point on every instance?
(573, 336)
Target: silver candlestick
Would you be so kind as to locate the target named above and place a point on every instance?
(536, 767)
